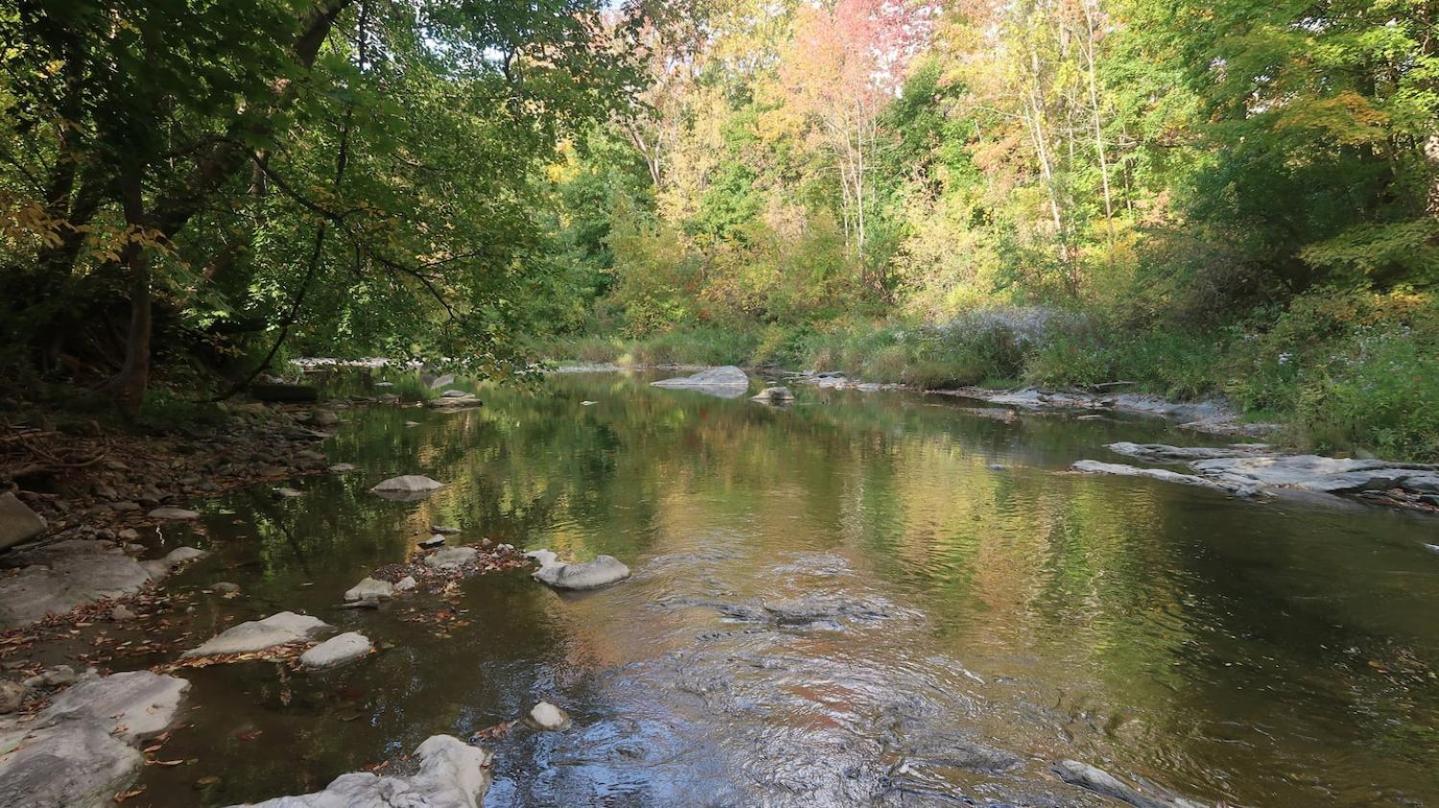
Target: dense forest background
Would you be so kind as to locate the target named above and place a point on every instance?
(1228, 197)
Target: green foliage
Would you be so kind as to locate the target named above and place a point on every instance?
(353, 176)
(1382, 396)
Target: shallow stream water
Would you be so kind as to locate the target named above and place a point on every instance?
(862, 599)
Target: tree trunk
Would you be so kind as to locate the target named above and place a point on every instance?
(129, 385)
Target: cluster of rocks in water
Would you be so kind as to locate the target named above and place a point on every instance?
(98, 722)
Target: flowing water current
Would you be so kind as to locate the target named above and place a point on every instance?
(861, 599)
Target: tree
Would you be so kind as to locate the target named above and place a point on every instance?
(843, 65)
(134, 125)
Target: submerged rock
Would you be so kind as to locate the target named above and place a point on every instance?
(371, 588)
(452, 774)
(455, 400)
(80, 750)
(548, 717)
(17, 522)
(338, 650)
(774, 395)
(1165, 475)
(603, 571)
(160, 567)
(1102, 782)
(407, 487)
(725, 382)
(257, 635)
(324, 418)
(176, 514)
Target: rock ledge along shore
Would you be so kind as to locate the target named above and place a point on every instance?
(1256, 468)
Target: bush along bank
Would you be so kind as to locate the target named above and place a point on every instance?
(1339, 371)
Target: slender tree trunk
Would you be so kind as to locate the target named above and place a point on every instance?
(129, 385)
(1096, 116)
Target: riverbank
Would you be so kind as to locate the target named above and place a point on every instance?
(1346, 373)
(98, 518)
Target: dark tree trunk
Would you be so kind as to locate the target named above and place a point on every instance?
(129, 385)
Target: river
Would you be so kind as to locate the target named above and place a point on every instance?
(861, 599)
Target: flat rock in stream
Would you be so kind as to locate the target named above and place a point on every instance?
(337, 650)
(602, 571)
(257, 635)
(451, 774)
(407, 487)
(1328, 475)
(1164, 475)
(1253, 467)
(371, 588)
(450, 557)
(17, 522)
(68, 582)
(725, 382)
(1163, 453)
(79, 752)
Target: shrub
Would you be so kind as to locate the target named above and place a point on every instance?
(1383, 397)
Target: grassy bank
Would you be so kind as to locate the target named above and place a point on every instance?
(1343, 371)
